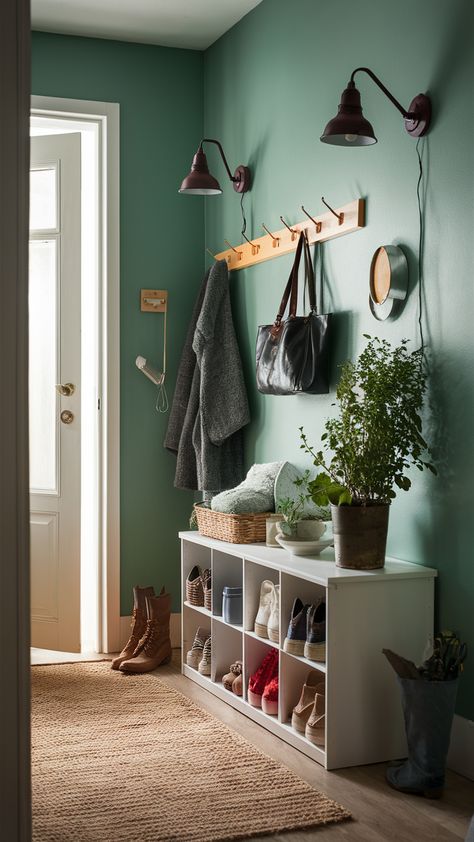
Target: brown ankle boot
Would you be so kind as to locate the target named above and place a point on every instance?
(138, 625)
(155, 646)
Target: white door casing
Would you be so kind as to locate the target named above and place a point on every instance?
(102, 120)
(55, 358)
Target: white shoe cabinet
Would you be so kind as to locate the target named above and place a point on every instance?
(366, 611)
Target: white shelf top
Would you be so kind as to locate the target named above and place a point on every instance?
(319, 569)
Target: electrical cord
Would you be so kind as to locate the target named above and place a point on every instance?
(421, 244)
(244, 221)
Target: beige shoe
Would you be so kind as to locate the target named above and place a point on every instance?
(154, 648)
(302, 711)
(194, 588)
(194, 655)
(316, 724)
(204, 665)
(138, 626)
(267, 593)
(273, 627)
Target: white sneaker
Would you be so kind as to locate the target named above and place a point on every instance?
(267, 592)
(273, 627)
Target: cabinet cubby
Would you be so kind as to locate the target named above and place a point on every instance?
(365, 612)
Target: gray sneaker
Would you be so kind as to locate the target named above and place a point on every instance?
(296, 635)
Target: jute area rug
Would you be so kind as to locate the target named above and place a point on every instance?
(128, 759)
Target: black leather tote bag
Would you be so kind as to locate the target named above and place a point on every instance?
(292, 354)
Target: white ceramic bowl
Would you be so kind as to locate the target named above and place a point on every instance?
(310, 530)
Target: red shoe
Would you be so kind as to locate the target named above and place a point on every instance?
(267, 670)
(270, 697)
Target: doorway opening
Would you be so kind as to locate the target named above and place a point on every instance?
(96, 406)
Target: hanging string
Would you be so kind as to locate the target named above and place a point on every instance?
(162, 403)
(421, 243)
(244, 221)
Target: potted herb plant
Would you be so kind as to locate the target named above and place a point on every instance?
(297, 520)
(369, 448)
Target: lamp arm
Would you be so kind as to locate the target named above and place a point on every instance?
(405, 114)
(211, 140)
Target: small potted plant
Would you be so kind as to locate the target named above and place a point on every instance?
(370, 447)
(299, 521)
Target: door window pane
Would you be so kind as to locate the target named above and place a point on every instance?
(43, 365)
(43, 200)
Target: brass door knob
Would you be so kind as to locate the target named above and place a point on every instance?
(67, 417)
(66, 389)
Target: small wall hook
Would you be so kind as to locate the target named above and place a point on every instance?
(255, 246)
(210, 252)
(339, 216)
(315, 221)
(276, 240)
(238, 253)
(294, 233)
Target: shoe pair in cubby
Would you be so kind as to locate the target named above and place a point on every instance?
(232, 680)
(267, 620)
(199, 656)
(306, 634)
(199, 588)
(309, 715)
(262, 691)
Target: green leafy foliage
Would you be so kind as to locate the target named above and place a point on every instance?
(377, 436)
(293, 509)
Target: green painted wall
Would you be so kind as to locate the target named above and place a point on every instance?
(162, 235)
(271, 84)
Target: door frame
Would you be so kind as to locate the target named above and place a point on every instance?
(15, 789)
(106, 117)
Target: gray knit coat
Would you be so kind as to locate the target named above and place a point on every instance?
(210, 406)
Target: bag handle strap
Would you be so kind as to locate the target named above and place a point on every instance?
(292, 285)
(309, 277)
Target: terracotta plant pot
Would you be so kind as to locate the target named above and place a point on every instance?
(360, 535)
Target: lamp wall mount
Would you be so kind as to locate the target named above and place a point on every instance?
(418, 116)
(350, 128)
(199, 180)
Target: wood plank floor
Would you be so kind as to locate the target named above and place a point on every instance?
(380, 814)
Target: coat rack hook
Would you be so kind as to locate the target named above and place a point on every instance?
(276, 240)
(292, 230)
(238, 253)
(210, 252)
(255, 246)
(339, 216)
(316, 223)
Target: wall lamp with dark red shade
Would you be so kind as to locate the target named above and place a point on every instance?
(350, 128)
(200, 182)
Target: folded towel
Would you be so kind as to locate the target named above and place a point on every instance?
(255, 494)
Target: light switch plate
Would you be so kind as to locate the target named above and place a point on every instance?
(153, 300)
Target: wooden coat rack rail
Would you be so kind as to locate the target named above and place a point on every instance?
(321, 227)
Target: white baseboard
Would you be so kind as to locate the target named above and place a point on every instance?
(175, 630)
(461, 750)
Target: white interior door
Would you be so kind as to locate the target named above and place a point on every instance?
(55, 367)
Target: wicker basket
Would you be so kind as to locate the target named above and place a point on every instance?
(235, 529)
